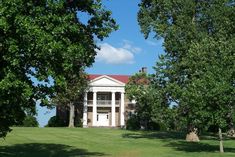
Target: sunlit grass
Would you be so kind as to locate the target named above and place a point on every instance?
(66, 142)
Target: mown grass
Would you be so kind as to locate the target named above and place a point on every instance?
(66, 142)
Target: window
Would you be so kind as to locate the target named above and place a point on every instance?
(103, 96)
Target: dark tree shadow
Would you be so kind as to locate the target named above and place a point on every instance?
(214, 136)
(197, 147)
(44, 150)
(171, 135)
(156, 135)
(176, 140)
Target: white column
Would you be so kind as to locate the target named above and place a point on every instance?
(85, 111)
(94, 117)
(122, 112)
(113, 109)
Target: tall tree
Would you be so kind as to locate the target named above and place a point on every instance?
(72, 94)
(198, 67)
(151, 106)
(136, 89)
(211, 91)
(40, 39)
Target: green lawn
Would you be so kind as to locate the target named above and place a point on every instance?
(65, 142)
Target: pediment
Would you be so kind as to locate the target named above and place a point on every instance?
(105, 81)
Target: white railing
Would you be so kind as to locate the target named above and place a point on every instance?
(117, 102)
(104, 102)
(89, 102)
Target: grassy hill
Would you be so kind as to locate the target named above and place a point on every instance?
(65, 142)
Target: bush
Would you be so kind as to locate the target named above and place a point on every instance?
(133, 123)
(155, 126)
(78, 122)
(215, 128)
(56, 121)
(30, 121)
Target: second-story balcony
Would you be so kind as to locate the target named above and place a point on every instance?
(103, 103)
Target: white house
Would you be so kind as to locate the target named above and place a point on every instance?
(105, 104)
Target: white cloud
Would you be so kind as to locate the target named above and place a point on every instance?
(129, 46)
(113, 55)
(151, 43)
(155, 42)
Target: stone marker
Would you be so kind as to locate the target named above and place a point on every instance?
(192, 136)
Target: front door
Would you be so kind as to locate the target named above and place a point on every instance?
(102, 119)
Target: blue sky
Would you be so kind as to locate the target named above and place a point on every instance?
(125, 51)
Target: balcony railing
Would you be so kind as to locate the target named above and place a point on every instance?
(104, 102)
(117, 102)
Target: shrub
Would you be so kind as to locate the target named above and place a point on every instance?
(133, 123)
(56, 121)
(30, 121)
(78, 122)
(155, 126)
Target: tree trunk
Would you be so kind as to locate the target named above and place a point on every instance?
(221, 147)
(71, 115)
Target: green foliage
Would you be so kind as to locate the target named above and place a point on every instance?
(30, 121)
(56, 121)
(78, 122)
(133, 123)
(44, 41)
(151, 106)
(73, 89)
(136, 90)
(197, 71)
(72, 94)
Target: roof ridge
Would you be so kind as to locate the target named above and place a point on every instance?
(121, 78)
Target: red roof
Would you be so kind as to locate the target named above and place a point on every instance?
(121, 78)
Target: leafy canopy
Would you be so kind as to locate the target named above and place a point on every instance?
(43, 39)
(197, 70)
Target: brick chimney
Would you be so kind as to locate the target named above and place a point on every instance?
(144, 69)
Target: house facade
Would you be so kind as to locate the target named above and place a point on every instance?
(105, 102)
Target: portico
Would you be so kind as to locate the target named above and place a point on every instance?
(104, 103)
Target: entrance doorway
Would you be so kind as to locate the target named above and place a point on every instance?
(102, 119)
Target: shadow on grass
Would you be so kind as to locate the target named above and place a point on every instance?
(176, 140)
(44, 150)
(197, 147)
(213, 136)
(155, 135)
(170, 135)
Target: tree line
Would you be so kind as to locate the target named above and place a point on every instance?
(194, 81)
